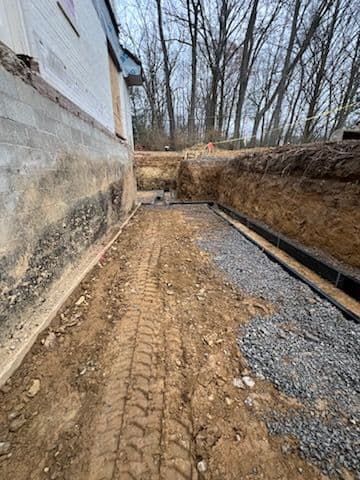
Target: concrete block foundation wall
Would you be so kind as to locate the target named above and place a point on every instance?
(63, 183)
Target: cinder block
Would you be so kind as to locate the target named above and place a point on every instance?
(13, 157)
(27, 93)
(7, 83)
(13, 132)
(4, 183)
(19, 111)
(70, 119)
(86, 139)
(43, 140)
(40, 103)
(63, 132)
(76, 135)
(42, 160)
(45, 123)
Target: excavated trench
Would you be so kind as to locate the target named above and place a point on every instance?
(186, 353)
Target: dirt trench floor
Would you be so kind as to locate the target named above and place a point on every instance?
(134, 378)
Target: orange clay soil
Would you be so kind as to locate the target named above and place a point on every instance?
(134, 378)
(310, 193)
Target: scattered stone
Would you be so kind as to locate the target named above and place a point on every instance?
(170, 292)
(82, 370)
(248, 381)
(285, 448)
(238, 383)
(46, 469)
(80, 301)
(13, 415)
(312, 338)
(71, 323)
(4, 448)
(249, 402)
(303, 345)
(50, 340)
(228, 401)
(201, 466)
(34, 388)
(16, 424)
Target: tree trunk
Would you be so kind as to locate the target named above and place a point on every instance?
(193, 28)
(167, 73)
(244, 67)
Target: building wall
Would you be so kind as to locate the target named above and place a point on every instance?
(74, 62)
(125, 107)
(12, 26)
(72, 54)
(63, 183)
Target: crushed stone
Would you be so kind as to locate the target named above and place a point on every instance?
(306, 348)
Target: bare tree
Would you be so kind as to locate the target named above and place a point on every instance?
(167, 73)
(272, 71)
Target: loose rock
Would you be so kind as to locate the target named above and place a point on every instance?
(49, 340)
(248, 381)
(304, 346)
(80, 300)
(201, 466)
(34, 389)
(16, 424)
(238, 383)
(4, 448)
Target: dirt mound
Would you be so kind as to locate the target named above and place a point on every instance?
(156, 170)
(199, 179)
(334, 160)
(310, 193)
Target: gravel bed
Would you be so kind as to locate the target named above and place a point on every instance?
(306, 348)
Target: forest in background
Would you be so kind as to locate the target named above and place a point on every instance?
(257, 72)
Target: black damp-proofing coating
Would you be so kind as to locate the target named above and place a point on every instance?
(346, 283)
(192, 202)
(342, 279)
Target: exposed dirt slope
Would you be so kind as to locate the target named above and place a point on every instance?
(136, 373)
(156, 170)
(310, 193)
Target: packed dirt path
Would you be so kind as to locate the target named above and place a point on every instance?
(134, 378)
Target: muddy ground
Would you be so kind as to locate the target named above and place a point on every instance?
(134, 378)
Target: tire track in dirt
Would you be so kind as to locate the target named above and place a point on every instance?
(157, 338)
(136, 434)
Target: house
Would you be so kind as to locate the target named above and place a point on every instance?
(66, 143)
(76, 43)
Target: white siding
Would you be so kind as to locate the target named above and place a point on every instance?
(76, 65)
(12, 28)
